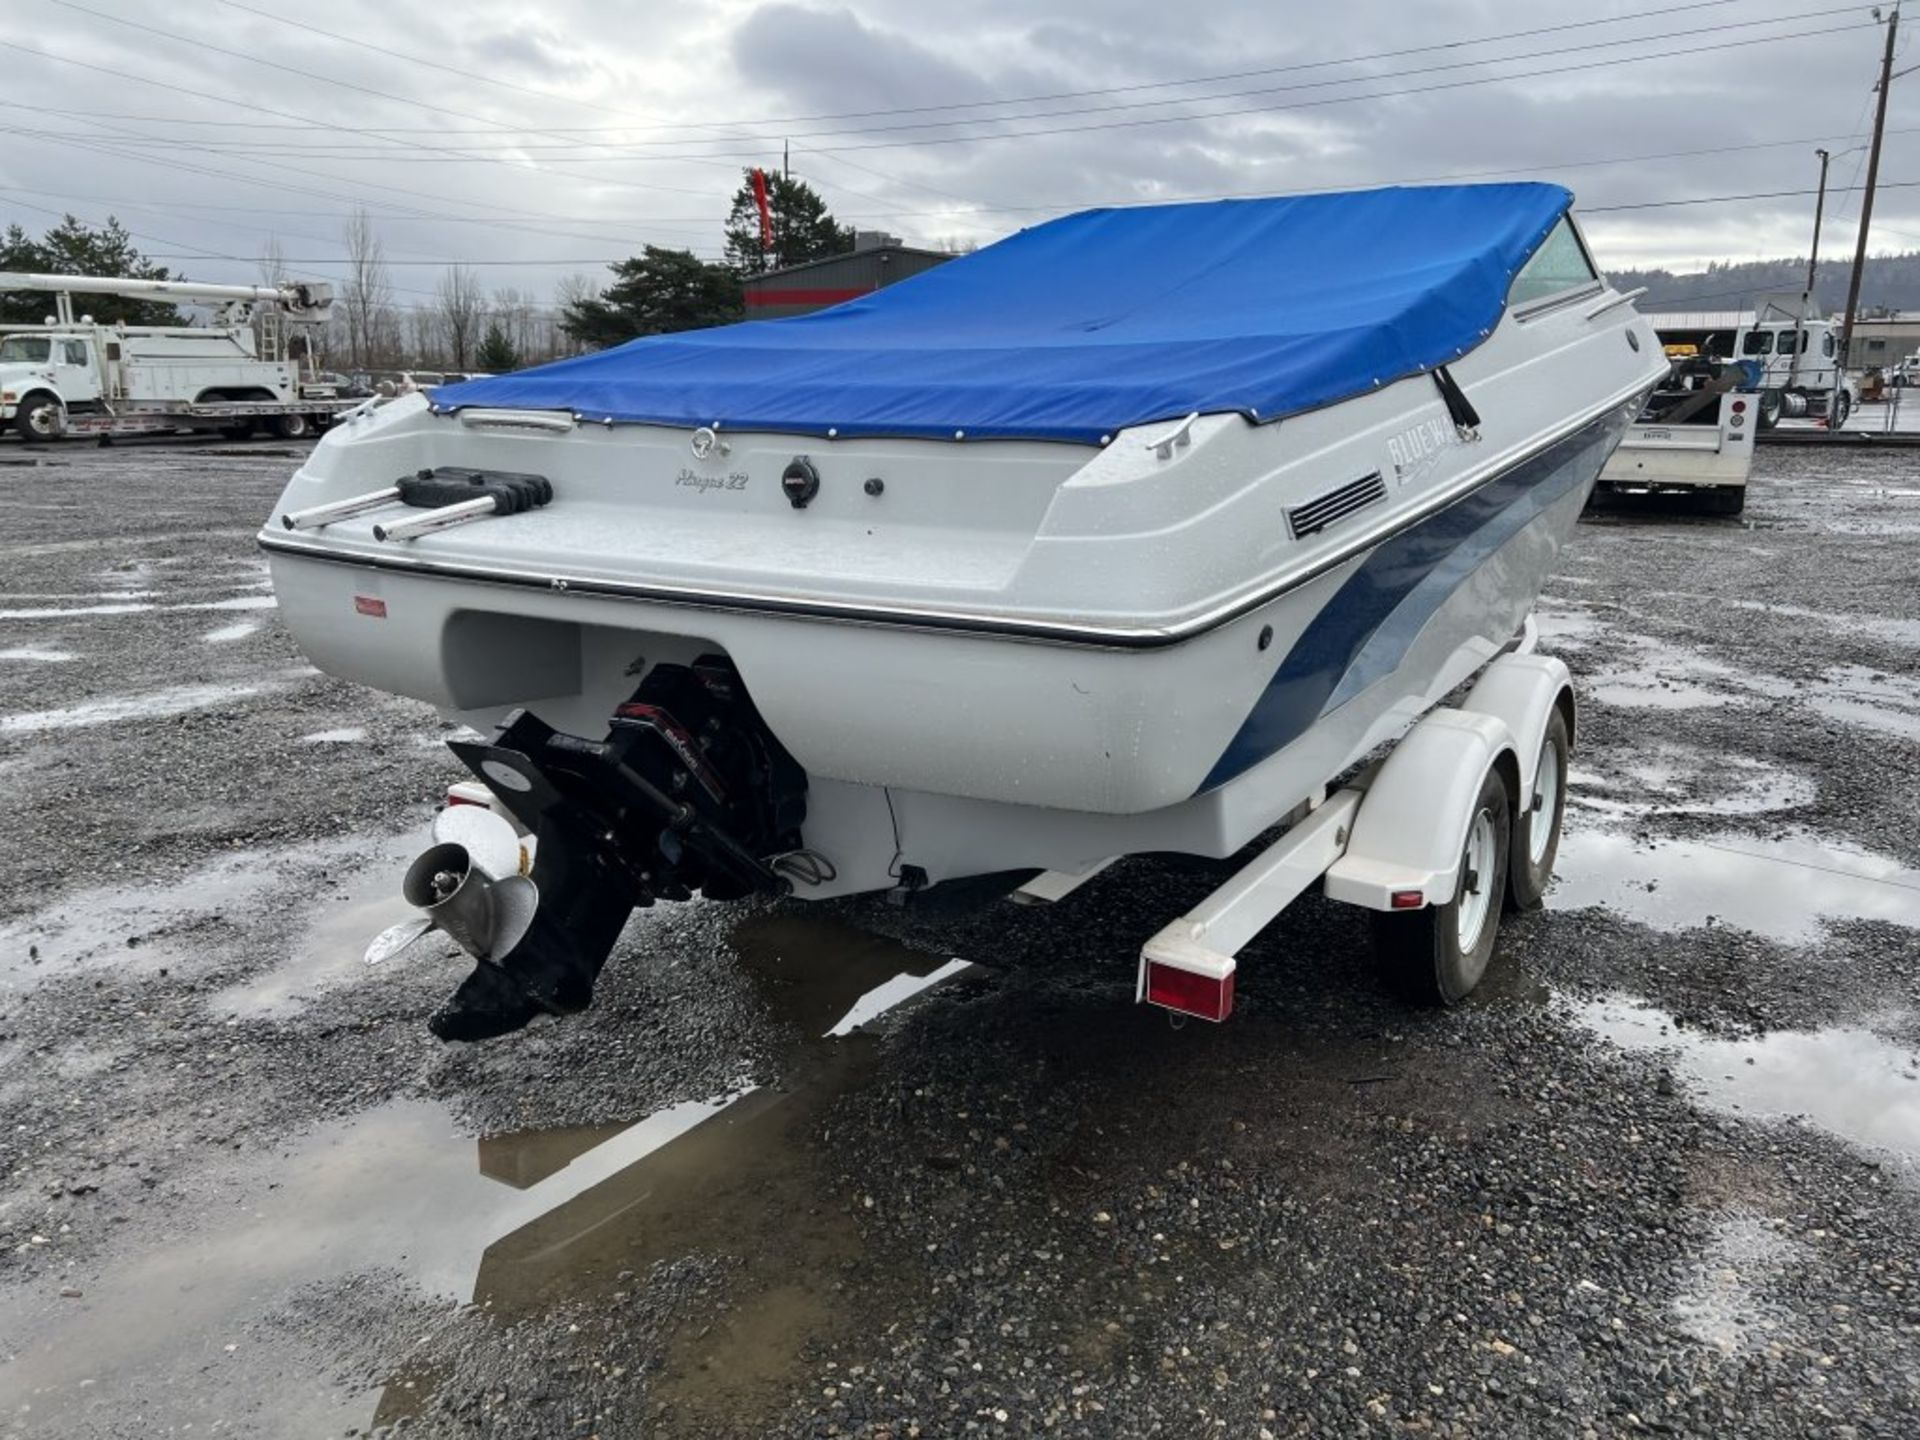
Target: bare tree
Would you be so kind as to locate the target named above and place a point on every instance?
(368, 291)
(423, 337)
(462, 309)
(572, 293)
(513, 312)
(273, 262)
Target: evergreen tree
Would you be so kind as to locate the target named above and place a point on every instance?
(497, 355)
(74, 248)
(802, 228)
(656, 292)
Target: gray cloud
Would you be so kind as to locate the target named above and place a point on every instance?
(580, 174)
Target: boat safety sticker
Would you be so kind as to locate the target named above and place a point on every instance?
(370, 605)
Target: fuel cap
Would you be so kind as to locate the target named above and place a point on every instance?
(800, 481)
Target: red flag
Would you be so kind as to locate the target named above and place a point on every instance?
(766, 210)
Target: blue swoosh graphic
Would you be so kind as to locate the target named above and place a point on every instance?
(1365, 629)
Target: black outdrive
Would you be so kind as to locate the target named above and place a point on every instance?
(689, 791)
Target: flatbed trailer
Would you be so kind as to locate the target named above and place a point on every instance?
(286, 419)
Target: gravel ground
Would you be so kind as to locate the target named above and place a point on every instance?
(1660, 1176)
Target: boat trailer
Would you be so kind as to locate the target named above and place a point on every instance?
(536, 868)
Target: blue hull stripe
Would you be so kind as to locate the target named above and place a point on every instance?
(1365, 630)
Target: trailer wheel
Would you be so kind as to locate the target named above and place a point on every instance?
(292, 427)
(41, 416)
(1436, 955)
(1725, 500)
(1536, 835)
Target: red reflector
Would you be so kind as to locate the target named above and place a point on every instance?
(1207, 996)
(454, 798)
(1739, 407)
(1408, 899)
(368, 605)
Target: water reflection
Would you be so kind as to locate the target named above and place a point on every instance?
(1850, 1081)
(1781, 888)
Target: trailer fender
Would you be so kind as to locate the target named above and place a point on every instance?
(1412, 824)
(1524, 691)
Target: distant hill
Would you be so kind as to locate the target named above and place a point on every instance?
(1892, 283)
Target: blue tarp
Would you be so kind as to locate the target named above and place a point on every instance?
(1085, 325)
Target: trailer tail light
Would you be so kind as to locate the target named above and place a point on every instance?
(1739, 407)
(1202, 987)
(469, 792)
(1407, 899)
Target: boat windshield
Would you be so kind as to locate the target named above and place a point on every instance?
(1559, 265)
(25, 349)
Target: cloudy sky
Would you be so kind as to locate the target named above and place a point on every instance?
(534, 141)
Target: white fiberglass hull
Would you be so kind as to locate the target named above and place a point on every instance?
(1015, 655)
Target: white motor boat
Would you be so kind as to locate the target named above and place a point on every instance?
(1125, 534)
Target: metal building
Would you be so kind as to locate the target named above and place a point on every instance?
(874, 261)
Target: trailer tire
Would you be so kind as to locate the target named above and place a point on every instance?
(292, 427)
(1437, 954)
(40, 416)
(1725, 500)
(1535, 841)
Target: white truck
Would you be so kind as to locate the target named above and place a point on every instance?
(1789, 359)
(75, 377)
(1692, 442)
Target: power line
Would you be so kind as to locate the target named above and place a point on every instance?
(1293, 67)
(654, 147)
(1688, 52)
(1046, 131)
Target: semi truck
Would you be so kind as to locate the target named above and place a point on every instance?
(1790, 360)
(73, 376)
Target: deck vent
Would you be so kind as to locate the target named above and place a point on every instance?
(1335, 506)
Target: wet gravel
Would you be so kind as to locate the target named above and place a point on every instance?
(241, 1190)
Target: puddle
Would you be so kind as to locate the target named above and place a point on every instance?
(1636, 688)
(1751, 787)
(1851, 1082)
(518, 1222)
(1721, 1304)
(121, 595)
(1899, 632)
(37, 655)
(239, 630)
(238, 602)
(1871, 699)
(349, 735)
(1671, 677)
(1780, 888)
(177, 701)
(143, 929)
(334, 933)
(1561, 626)
(59, 612)
(44, 612)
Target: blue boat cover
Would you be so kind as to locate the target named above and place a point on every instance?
(1082, 326)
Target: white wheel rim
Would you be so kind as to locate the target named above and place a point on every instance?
(1546, 802)
(1477, 881)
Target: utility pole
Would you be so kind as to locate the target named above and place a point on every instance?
(1873, 179)
(1819, 210)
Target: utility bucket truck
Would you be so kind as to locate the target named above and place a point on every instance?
(73, 376)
